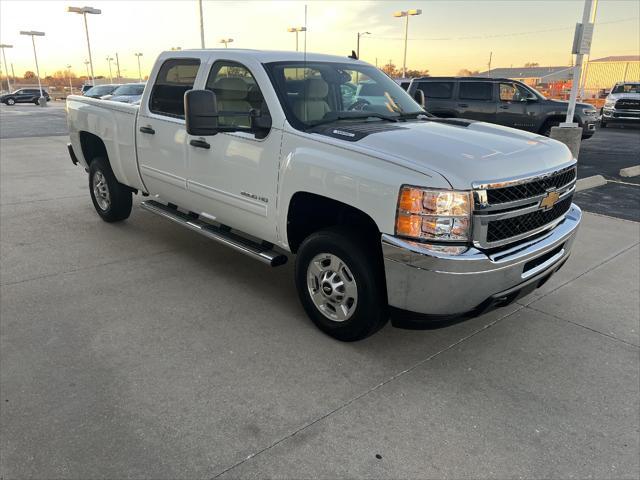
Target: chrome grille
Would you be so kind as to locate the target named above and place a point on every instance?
(512, 210)
(514, 226)
(531, 189)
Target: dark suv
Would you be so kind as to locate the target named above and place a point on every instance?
(499, 100)
(24, 95)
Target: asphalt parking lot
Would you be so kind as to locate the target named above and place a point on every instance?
(143, 350)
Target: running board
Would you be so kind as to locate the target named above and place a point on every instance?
(261, 252)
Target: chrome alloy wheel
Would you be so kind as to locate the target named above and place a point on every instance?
(101, 190)
(332, 287)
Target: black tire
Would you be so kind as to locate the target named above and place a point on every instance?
(364, 264)
(547, 126)
(10, 101)
(119, 202)
(603, 124)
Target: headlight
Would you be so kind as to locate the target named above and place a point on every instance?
(589, 111)
(610, 103)
(434, 214)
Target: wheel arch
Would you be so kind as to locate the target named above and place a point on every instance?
(310, 212)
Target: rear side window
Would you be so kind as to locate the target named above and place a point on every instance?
(436, 89)
(175, 77)
(476, 90)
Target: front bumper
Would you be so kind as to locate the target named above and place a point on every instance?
(614, 115)
(426, 282)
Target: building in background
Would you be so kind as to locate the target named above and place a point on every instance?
(603, 73)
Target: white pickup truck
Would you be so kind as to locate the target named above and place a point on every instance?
(391, 213)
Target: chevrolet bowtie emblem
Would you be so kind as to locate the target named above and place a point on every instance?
(549, 201)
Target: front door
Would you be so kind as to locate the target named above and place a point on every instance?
(514, 108)
(235, 178)
(161, 134)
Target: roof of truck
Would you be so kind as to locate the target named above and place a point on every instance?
(264, 56)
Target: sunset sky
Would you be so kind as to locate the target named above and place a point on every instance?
(448, 36)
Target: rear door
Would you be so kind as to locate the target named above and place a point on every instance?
(161, 134)
(438, 97)
(513, 108)
(476, 101)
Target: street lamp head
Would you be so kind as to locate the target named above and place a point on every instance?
(415, 11)
(92, 10)
(68, 66)
(400, 14)
(33, 33)
(226, 40)
(4, 45)
(297, 29)
(138, 54)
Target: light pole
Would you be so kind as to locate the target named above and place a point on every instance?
(407, 14)
(226, 41)
(69, 75)
(297, 30)
(86, 65)
(83, 11)
(33, 34)
(201, 25)
(6, 67)
(138, 55)
(110, 59)
(118, 67)
(360, 34)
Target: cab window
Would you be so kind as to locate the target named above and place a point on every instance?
(237, 94)
(175, 77)
(510, 92)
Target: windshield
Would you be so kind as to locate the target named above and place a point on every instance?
(627, 88)
(100, 90)
(131, 89)
(323, 92)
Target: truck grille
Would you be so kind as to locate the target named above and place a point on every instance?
(628, 104)
(531, 189)
(511, 227)
(507, 212)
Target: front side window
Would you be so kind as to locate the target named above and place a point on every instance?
(436, 89)
(510, 92)
(476, 91)
(175, 77)
(237, 94)
(322, 92)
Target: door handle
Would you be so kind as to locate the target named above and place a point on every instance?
(148, 130)
(463, 105)
(504, 107)
(199, 144)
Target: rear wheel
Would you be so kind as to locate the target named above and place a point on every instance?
(340, 282)
(111, 199)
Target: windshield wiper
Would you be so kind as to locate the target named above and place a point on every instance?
(339, 117)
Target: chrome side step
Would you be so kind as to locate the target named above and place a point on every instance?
(261, 252)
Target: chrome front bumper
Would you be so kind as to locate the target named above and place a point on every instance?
(425, 281)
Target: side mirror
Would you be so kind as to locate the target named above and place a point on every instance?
(201, 112)
(418, 96)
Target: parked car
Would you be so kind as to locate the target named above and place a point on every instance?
(391, 212)
(24, 95)
(501, 101)
(622, 104)
(100, 91)
(129, 93)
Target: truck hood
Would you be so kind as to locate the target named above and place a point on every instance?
(479, 152)
(619, 96)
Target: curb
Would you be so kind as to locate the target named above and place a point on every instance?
(630, 171)
(590, 182)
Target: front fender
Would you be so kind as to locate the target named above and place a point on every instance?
(365, 182)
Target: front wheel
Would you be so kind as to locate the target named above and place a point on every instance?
(340, 283)
(548, 125)
(11, 101)
(111, 199)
